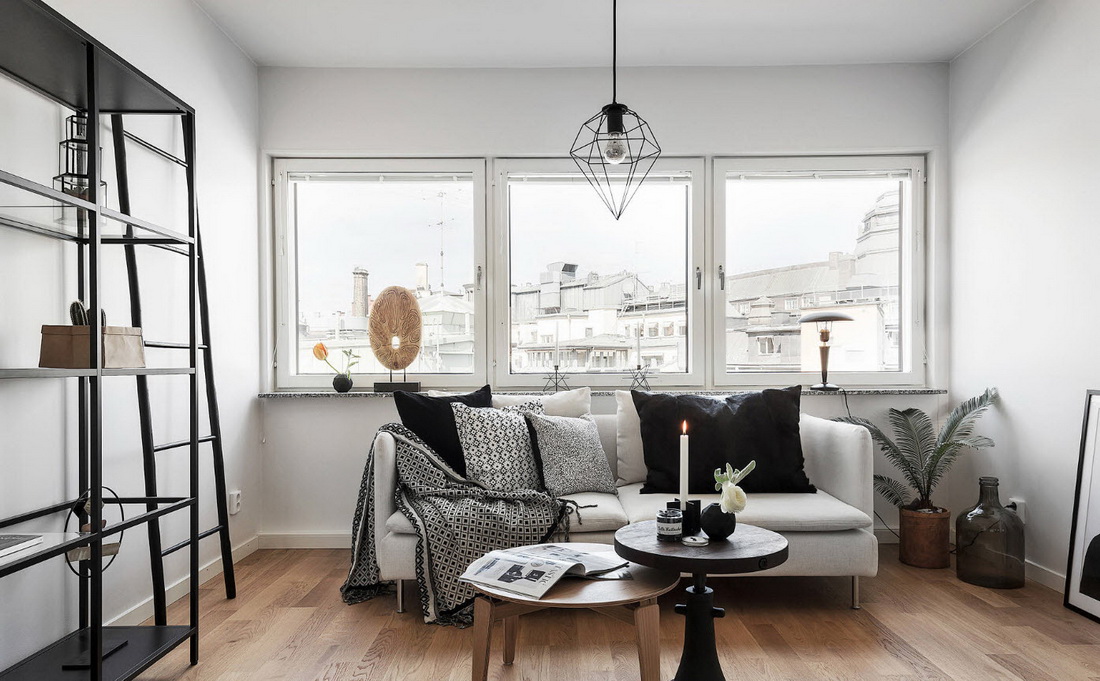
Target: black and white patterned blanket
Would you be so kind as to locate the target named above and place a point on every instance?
(456, 521)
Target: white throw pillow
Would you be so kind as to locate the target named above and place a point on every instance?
(628, 440)
(574, 403)
(497, 445)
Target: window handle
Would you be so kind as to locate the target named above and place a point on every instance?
(699, 278)
(478, 279)
(722, 277)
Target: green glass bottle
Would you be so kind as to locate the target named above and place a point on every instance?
(989, 542)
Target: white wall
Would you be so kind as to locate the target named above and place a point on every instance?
(315, 448)
(178, 46)
(1024, 149)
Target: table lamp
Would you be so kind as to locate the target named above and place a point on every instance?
(824, 321)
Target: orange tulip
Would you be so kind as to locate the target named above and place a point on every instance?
(320, 352)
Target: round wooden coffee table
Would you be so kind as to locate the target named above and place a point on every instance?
(749, 549)
(633, 601)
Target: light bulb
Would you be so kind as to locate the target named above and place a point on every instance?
(614, 149)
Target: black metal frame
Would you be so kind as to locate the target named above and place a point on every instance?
(616, 189)
(1089, 395)
(44, 51)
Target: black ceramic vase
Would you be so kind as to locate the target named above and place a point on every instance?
(341, 383)
(716, 523)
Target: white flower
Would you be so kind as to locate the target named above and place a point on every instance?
(733, 498)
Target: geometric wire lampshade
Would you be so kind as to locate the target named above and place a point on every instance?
(615, 149)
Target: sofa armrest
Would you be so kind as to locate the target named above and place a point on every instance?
(385, 482)
(840, 460)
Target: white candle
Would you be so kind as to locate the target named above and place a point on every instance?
(684, 468)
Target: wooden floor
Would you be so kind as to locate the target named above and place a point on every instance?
(288, 623)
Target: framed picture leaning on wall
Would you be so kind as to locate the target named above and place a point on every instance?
(1083, 569)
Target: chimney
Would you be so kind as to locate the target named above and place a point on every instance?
(422, 277)
(360, 301)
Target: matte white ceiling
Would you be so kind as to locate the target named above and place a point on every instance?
(564, 33)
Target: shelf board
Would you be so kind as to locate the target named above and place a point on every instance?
(144, 646)
(53, 544)
(76, 373)
(37, 208)
(48, 53)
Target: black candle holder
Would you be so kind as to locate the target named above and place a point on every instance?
(691, 515)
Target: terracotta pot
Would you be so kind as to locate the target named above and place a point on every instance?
(925, 538)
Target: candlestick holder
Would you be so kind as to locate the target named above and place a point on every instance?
(691, 515)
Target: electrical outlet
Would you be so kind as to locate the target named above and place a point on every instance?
(234, 502)
(1021, 508)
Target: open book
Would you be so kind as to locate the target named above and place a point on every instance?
(532, 570)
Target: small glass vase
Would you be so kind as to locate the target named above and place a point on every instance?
(989, 541)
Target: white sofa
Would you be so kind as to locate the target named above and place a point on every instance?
(830, 532)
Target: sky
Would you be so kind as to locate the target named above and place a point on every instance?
(781, 222)
(387, 227)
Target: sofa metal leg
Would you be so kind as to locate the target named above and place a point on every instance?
(400, 595)
(855, 593)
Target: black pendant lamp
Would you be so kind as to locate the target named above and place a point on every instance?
(615, 149)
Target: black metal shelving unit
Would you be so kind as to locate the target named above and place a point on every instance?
(47, 53)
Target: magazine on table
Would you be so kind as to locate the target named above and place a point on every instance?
(532, 570)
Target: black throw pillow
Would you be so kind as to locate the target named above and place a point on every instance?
(737, 429)
(434, 421)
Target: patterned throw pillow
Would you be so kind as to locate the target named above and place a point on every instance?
(497, 446)
(572, 456)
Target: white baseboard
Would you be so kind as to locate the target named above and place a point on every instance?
(180, 589)
(305, 540)
(1045, 576)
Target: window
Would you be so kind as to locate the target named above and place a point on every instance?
(602, 289)
(348, 228)
(797, 236)
(570, 286)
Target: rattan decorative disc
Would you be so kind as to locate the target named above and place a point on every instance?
(395, 314)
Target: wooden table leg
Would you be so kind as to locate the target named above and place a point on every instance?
(482, 635)
(647, 627)
(511, 630)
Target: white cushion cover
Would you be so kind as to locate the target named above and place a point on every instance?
(575, 403)
(606, 516)
(630, 463)
(497, 445)
(786, 512)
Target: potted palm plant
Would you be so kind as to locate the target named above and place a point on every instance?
(924, 457)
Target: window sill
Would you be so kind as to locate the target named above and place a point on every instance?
(855, 392)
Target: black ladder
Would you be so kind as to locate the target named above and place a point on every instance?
(149, 448)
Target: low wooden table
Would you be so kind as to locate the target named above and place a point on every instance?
(749, 549)
(633, 601)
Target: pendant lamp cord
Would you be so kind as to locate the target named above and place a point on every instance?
(614, 50)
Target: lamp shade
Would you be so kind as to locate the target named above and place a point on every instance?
(826, 317)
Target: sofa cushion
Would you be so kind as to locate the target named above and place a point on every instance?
(570, 456)
(433, 421)
(599, 513)
(575, 403)
(497, 446)
(605, 515)
(778, 512)
(746, 426)
(630, 461)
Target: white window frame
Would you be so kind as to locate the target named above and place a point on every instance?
(499, 277)
(286, 265)
(912, 313)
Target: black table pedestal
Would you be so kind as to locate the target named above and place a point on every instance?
(699, 661)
